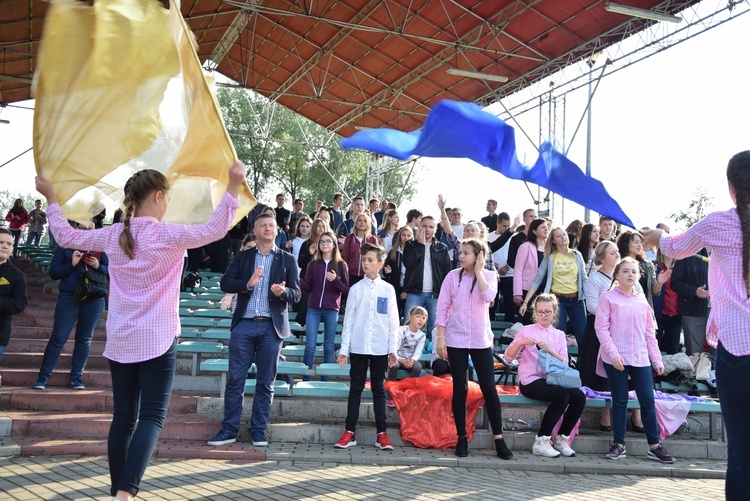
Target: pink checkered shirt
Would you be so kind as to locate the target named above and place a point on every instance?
(465, 316)
(143, 318)
(729, 320)
(625, 328)
(527, 366)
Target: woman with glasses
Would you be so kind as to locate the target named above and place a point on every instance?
(567, 403)
(327, 278)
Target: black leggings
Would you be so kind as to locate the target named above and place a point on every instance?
(560, 399)
(484, 367)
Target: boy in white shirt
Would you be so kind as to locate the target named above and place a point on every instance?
(368, 338)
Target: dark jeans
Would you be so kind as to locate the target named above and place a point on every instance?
(16, 237)
(358, 375)
(668, 333)
(67, 312)
(484, 365)
(643, 383)
(733, 383)
(415, 370)
(576, 310)
(251, 342)
(330, 318)
(33, 237)
(428, 300)
(559, 399)
(509, 307)
(141, 392)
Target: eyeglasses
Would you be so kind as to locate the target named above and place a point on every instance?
(325, 242)
(545, 313)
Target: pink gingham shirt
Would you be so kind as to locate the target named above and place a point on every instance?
(143, 318)
(729, 320)
(625, 328)
(465, 316)
(527, 366)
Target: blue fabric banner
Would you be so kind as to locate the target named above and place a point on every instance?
(464, 130)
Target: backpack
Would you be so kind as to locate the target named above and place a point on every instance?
(191, 281)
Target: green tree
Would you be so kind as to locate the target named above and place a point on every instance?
(696, 211)
(286, 151)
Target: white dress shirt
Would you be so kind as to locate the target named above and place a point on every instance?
(371, 320)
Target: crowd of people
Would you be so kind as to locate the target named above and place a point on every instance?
(434, 283)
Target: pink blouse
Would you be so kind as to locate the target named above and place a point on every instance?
(625, 328)
(144, 293)
(527, 366)
(527, 264)
(465, 315)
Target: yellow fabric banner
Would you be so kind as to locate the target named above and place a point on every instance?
(119, 88)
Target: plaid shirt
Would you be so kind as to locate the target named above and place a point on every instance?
(729, 319)
(465, 315)
(143, 319)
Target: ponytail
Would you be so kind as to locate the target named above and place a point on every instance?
(738, 175)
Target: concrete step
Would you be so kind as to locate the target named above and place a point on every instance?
(69, 400)
(60, 378)
(96, 425)
(165, 449)
(36, 332)
(31, 360)
(38, 345)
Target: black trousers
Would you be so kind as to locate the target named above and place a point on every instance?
(559, 399)
(358, 375)
(484, 366)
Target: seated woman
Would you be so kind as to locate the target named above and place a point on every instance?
(563, 401)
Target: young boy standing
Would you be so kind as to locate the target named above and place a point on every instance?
(369, 339)
(13, 298)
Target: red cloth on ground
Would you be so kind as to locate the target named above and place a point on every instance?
(424, 408)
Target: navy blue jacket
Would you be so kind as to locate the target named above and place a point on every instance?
(283, 269)
(62, 269)
(687, 275)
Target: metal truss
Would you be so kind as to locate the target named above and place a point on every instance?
(571, 72)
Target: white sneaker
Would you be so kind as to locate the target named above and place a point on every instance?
(563, 445)
(543, 447)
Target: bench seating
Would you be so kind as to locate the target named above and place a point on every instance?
(221, 365)
(197, 348)
(280, 388)
(325, 389)
(212, 313)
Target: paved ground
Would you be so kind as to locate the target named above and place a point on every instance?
(313, 472)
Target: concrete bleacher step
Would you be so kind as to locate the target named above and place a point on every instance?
(94, 362)
(38, 345)
(26, 377)
(37, 332)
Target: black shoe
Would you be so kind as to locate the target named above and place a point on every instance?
(604, 428)
(502, 449)
(462, 447)
(636, 429)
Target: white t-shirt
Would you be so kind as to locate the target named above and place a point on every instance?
(427, 271)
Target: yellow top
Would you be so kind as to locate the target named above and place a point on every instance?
(564, 274)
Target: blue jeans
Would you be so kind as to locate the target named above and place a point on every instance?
(576, 310)
(2, 349)
(426, 299)
(643, 384)
(67, 312)
(733, 383)
(141, 392)
(251, 342)
(330, 318)
(34, 236)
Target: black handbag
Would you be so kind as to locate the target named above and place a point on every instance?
(92, 284)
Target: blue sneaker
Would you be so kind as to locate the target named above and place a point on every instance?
(223, 437)
(259, 439)
(77, 384)
(40, 384)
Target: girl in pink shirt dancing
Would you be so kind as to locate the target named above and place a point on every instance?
(145, 269)
(625, 328)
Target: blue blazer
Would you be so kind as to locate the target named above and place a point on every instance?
(283, 269)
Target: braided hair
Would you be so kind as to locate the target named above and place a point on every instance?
(738, 175)
(137, 189)
(477, 246)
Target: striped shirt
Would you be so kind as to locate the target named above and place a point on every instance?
(729, 319)
(625, 328)
(143, 318)
(464, 315)
(257, 305)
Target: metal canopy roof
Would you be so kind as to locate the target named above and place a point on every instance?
(367, 63)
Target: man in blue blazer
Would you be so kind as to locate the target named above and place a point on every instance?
(265, 279)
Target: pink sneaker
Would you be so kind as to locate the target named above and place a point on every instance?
(390, 403)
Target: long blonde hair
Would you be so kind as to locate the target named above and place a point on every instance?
(137, 189)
